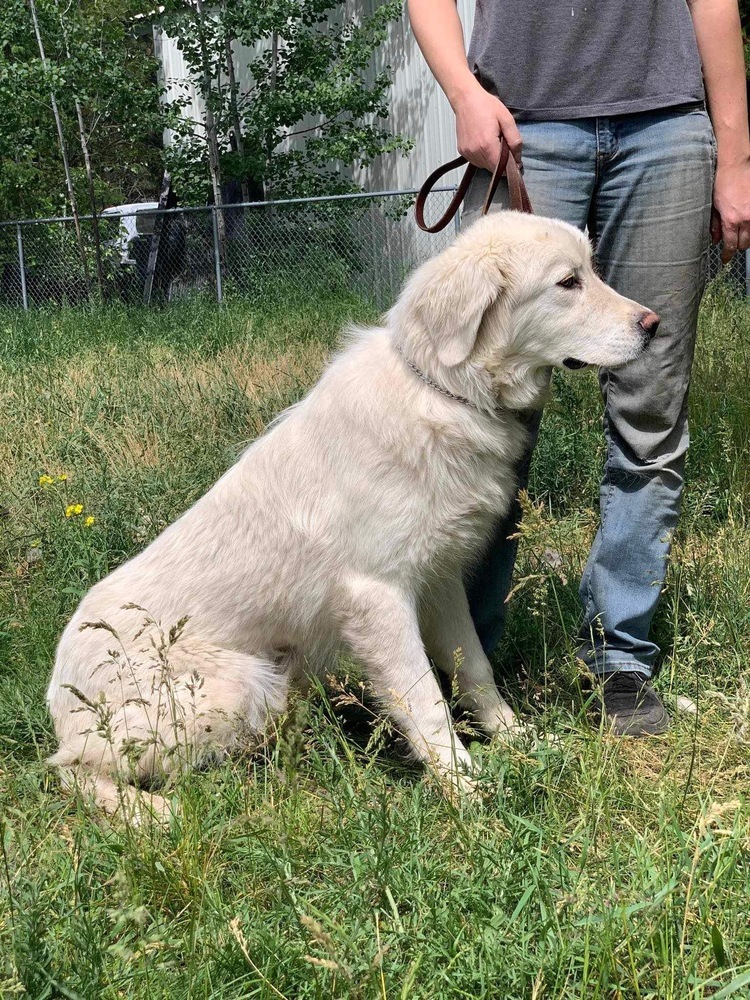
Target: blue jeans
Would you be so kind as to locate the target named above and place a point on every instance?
(642, 185)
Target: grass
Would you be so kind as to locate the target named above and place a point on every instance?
(324, 865)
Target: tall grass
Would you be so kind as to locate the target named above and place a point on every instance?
(324, 865)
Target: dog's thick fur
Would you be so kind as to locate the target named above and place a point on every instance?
(350, 523)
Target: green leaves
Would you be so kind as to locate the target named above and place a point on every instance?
(308, 102)
(110, 71)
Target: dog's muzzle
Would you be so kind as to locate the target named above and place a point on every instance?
(648, 323)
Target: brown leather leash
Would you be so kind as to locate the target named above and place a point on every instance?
(506, 167)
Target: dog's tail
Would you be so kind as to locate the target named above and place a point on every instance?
(161, 717)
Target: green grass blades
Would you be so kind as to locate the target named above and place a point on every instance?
(324, 865)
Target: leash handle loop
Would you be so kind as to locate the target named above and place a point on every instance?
(456, 200)
(506, 167)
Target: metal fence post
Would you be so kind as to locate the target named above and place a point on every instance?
(21, 267)
(217, 255)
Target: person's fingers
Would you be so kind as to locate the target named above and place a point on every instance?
(483, 153)
(481, 121)
(715, 226)
(730, 240)
(475, 153)
(479, 127)
(510, 133)
(491, 153)
(479, 142)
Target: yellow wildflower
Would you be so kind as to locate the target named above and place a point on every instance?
(74, 509)
(89, 520)
(46, 480)
(63, 477)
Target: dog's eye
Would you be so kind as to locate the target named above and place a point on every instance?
(570, 282)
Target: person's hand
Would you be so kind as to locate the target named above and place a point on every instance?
(480, 121)
(730, 218)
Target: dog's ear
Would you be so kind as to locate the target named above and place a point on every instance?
(446, 299)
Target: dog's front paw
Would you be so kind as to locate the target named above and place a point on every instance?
(528, 735)
(501, 724)
(459, 779)
(457, 786)
(499, 720)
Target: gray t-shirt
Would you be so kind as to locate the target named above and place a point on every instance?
(559, 59)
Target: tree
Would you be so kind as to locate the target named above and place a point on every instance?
(308, 113)
(28, 137)
(62, 144)
(99, 66)
(309, 110)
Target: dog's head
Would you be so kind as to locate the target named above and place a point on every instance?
(514, 295)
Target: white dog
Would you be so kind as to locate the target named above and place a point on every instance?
(350, 523)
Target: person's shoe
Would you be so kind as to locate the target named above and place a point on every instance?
(631, 706)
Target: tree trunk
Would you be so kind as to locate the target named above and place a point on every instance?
(270, 145)
(63, 147)
(236, 127)
(89, 172)
(92, 199)
(214, 162)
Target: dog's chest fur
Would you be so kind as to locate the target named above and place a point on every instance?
(465, 487)
(427, 476)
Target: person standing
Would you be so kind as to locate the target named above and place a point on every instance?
(632, 121)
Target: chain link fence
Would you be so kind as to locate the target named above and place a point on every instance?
(361, 243)
(365, 243)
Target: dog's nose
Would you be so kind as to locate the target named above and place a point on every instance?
(649, 323)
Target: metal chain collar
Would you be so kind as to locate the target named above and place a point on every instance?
(435, 385)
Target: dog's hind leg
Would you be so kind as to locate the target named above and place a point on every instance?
(113, 797)
(452, 643)
(162, 715)
(381, 628)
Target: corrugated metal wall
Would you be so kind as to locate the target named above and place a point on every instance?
(419, 110)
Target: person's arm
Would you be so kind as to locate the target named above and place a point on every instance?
(719, 35)
(480, 118)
